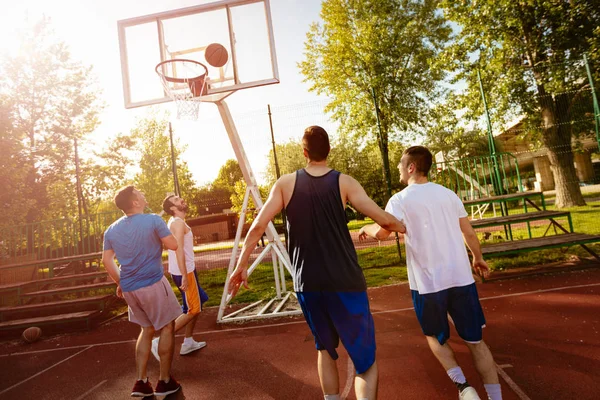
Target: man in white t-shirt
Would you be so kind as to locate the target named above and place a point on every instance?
(439, 270)
(183, 272)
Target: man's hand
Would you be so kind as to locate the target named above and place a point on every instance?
(119, 291)
(184, 283)
(362, 235)
(239, 277)
(481, 268)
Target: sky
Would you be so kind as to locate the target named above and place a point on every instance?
(89, 28)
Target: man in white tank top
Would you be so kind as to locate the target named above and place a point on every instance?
(439, 270)
(183, 272)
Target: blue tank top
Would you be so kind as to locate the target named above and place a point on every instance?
(320, 247)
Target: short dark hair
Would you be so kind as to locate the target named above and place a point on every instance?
(421, 157)
(316, 143)
(167, 204)
(124, 198)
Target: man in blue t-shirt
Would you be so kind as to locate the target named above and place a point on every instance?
(137, 240)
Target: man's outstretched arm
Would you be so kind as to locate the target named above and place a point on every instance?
(272, 207)
(479, 265)
(385, 223)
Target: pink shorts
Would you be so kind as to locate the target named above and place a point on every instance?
(154, 305)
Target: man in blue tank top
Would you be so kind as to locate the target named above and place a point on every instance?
(329, 283)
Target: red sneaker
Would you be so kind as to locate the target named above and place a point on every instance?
(166, 388)
(142, 389)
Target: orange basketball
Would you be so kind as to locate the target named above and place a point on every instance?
(216, 55)
(32, 334)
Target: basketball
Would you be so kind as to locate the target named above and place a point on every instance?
(32, 334)
(216, 55)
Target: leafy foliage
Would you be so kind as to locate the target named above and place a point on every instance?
(529, 56)
(386, 48)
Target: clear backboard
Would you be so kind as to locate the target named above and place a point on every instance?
(243, 27)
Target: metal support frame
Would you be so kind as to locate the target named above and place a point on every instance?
(278, 251)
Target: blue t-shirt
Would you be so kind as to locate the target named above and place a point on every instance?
(136, 242)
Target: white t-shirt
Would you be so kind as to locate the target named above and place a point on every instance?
(436, 255)
(188, 251)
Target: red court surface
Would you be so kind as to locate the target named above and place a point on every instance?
(543, 332)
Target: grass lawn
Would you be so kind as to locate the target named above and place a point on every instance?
(381, 265)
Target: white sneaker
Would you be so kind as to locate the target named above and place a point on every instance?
(188, 348)
(468, 394)
(154, 349)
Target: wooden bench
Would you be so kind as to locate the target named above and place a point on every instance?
(50, 320)
(520, 218)
(22, 287)
(525, 196)
(55, 307)
(546, 242)
(66, 290)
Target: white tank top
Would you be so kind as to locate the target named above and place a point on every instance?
(188, 251)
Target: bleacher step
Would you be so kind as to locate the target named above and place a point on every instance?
(49, 320)
(547, 242)
(55, 307)
(516, 218)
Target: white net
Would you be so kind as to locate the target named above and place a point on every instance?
(185, 82)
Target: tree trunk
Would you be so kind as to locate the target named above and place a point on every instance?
(557, 139)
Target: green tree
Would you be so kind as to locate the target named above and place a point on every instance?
(290, 158)
(237, 199)
(54, 100)
(228, 175)
(385, 47)
(527, 52)
(155, 177)
(16, 197)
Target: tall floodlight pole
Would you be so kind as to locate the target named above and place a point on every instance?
(595, 99)
(278, 173)
(79, 194)
(174, 164)
(492, 146)
(386, 165)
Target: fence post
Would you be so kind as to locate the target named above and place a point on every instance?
(596, 107)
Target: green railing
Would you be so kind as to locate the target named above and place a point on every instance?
(478, 177)
(55, 238)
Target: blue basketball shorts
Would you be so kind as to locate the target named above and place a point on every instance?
(195, 297)
(332, 316)
(462, 303)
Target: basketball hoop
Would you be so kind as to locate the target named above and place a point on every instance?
(185, 82)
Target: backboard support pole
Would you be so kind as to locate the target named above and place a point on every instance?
(276, 247)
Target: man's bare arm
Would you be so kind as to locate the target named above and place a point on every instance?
(362, 202)
(108, 259)
(272, 207)
(178, 230)
(374, 231)
(169, 242)
(472, 241)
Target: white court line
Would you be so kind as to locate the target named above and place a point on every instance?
(519, 392)
(297, 322)
(41, 372)
(83, 396)
(349, 379)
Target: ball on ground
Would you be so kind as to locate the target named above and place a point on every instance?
(216, 55)
(32, 334)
